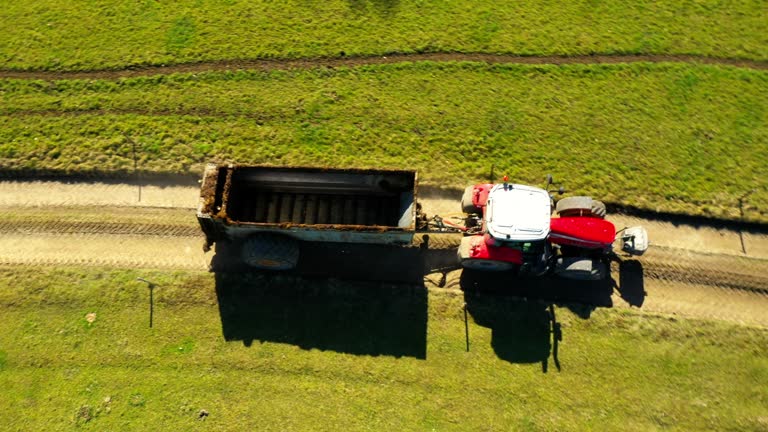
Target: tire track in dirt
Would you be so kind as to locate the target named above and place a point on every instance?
(702, 302)
(103, 250)
(57, 193)
(689, 271)
(706, 269)
(706, 277)
(663, 264)
(332, 62)
(675, 265)
(664, 297)
(258, 117)
(99, 228)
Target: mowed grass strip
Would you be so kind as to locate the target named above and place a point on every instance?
(668, 137)
(76, 350)
(81, 35)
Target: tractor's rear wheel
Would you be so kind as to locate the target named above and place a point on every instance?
(267, 251)
(467, 206)
(580, 206)
(487, 265)
(464, 256)
(581, 268)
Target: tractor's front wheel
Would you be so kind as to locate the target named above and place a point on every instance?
(487, 265)
(465, 258)
(580, 206)
(467, 206)
(598, 209)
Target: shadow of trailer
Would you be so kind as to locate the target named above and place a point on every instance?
(303, 256)
(328, 314)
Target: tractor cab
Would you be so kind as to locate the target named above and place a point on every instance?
(517, 213)
(518, 217)
(515, 228)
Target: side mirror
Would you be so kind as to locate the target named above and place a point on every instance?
(550, 180)
(561, 190)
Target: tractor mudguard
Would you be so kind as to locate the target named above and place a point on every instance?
(480, 196)
(584, 232)
(478, 249)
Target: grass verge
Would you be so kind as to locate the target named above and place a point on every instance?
(665, 137)
(79, 35)
(61, 367)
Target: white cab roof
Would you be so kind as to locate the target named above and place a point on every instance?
(518, 212)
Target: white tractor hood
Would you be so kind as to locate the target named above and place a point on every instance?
(518, 213)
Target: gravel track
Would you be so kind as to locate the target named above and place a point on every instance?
(699, 272)
(45, 193)
(99, 228)
(103, 250)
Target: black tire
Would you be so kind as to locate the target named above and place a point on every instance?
(463, 255)
(466, 201)
(598, 209)
(487, 265)
(266, 251)
(574, 206)
(438, 241)
(577, 268)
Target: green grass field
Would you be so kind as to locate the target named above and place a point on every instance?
(670, 137)
(82, 35)
(332, 354)
(259, 353)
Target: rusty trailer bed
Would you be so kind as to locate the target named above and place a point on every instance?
(316, 204)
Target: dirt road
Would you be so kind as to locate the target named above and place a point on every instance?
(59, 193)
(692, 271)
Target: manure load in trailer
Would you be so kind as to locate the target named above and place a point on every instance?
(272, 208)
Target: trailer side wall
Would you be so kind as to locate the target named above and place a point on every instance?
(314, 204)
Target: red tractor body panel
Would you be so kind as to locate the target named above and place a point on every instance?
(480, 197)
(585, 232)
(482, 248)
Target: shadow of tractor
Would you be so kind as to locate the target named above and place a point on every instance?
(371, 300)
(631, 286)
(522, 331)
(521, 312)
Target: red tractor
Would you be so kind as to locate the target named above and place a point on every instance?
(513, 227)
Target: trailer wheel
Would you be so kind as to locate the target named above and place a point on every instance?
(466, 201)
(580, 206)
(267, 251)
